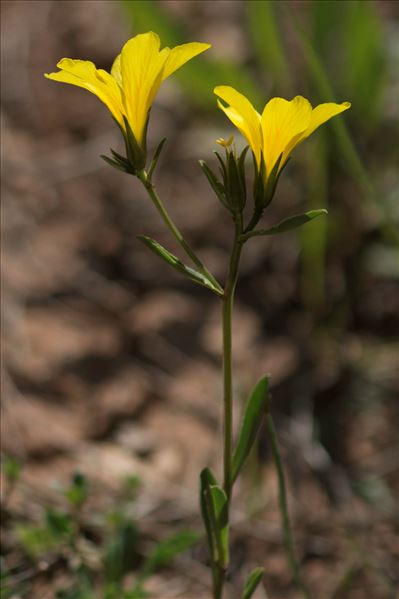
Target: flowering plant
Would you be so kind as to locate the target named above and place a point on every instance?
(128, 92)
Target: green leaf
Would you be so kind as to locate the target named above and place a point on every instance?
(254, 410)
(293, 222)
(177, 264)
(167, 550)
(252, 582)
(207, 480)
(220, 520)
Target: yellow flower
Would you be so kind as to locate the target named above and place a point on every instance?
(136, 75)
(279, 129)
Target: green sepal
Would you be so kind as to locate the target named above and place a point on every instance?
(234, 187)
(119, 158)
(136, 154)
(272, 180)
(178, 265)
(258, 189)
(254, 410)
(155, 158)
(252, 582)
(216, 185)
(219, 516)
(265, 183)
(223, 171)
(114, 164)
(241, 170)
(293, 222)
(207, 479)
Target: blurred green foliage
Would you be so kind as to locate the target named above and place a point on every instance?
(93, 545)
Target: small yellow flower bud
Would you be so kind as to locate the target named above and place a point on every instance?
(225, 142)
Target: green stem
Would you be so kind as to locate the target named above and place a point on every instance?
(227, 310)
(156, 200)
(287, 532)
(254, 221)
(218, 583)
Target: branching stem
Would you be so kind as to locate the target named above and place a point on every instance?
(156, 200)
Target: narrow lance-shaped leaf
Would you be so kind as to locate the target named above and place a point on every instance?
(293, 222)
(177, 264)
(220, 521)
(207, 479)
(252, 582)
(254, 411)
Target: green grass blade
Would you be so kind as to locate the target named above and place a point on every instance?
(252, 583)
(264, 31)
(345, 146)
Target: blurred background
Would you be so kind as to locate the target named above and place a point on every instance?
(111, 398)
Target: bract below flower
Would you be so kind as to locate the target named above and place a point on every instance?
(136, 75)
(282, 125)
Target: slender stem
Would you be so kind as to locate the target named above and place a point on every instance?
(254, 221)
(227, 310)
(287, 532)
(156, 200)
(218, 583)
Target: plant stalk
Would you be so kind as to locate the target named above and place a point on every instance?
(227, 311)
(283, 504)
(156, 200)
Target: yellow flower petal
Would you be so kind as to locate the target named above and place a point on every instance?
(116, 70)
(283, 122)
(179, 55)
(83, 73)
(243, 115)
(320, 114)
(323, 113)
(136, 74)
(141, 69)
